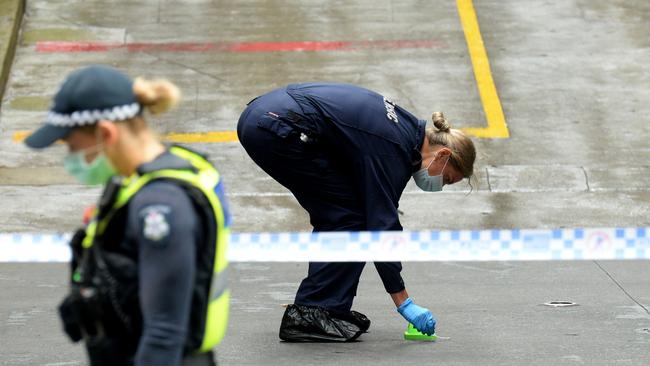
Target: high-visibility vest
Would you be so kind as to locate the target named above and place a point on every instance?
(205, 178)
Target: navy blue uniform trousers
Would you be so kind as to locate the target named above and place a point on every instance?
(320, 181)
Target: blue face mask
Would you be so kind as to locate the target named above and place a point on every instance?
(429, 183)
(97, 172)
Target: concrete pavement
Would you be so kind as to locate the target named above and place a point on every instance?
(489, 314)
(572, 77)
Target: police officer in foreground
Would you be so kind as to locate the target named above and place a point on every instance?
(346, 153)
(148, 272)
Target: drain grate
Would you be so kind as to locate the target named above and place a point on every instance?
(560, 304)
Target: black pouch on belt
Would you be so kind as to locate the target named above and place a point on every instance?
(69, 318)
(104, 351)
(80, 313)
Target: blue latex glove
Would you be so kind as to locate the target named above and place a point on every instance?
(420, 317)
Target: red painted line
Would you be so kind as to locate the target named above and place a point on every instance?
(287, 46)
(75, 46)
(236, 47)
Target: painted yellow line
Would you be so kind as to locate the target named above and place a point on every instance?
(182, 138)
(21, 135)
(196, 137)
(496, 122)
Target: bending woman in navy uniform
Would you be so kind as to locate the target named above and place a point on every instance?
(347, 153)
(148, 281)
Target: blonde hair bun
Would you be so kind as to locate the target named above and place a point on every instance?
(440, 122)
(158, 96)
(463, 152)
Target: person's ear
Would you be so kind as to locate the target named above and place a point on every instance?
(443, 152)
(107, 132)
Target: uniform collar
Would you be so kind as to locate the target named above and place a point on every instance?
(166, 160)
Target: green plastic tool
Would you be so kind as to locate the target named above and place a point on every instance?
(413, 334)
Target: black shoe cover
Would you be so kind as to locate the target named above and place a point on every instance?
(314, 324)
(361, 320)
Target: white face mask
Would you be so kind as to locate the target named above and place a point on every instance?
(429, 183)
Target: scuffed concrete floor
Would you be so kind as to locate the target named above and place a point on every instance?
(572, 77)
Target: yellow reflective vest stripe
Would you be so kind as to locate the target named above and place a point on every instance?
(205, 179)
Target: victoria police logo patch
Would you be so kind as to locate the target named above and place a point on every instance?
(155, 224)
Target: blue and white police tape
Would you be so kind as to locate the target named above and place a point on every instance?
(422, 246)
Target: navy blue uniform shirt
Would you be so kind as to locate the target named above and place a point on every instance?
(380, 140)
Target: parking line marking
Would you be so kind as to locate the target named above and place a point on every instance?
(197, 137)
(496, 122)
(181, 138)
